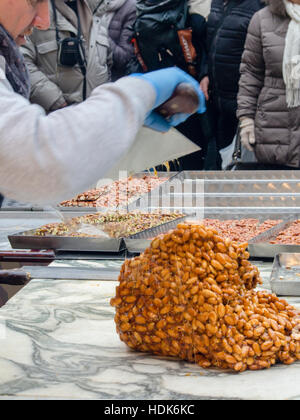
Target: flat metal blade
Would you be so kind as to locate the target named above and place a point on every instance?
(152, 148)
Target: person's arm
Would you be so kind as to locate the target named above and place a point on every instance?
(43, 91)
(252, 71)
(46, 159)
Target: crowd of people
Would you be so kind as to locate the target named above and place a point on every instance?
(235, 49)
(244, 55)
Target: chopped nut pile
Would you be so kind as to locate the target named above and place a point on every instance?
(115, 225)
(191, 295)
(117, 194)
(289, 236)
(240, 230)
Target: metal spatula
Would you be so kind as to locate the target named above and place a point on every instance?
(152, 148)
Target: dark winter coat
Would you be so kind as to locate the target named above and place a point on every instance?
(120, 32)
(226, 34)
(262, 94)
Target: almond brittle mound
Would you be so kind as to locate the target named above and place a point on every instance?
(191, 295)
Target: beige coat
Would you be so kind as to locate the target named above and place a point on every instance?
(262, 89)
(52, 84)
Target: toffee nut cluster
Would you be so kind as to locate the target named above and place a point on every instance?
(191, 295)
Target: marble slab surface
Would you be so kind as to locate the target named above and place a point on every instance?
(58, 340)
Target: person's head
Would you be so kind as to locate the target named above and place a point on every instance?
(19, 17)
(294, 1)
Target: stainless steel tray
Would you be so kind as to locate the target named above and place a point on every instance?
(251, 186)
(232, 187)
(241, 175)
(140, 241)
(259, 213)
(130, 204)
(27, 240)
(225, 213)
(285, 276)
(260, 246)
(220, 200)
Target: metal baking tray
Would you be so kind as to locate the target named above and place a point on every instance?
(220, 200)
(251, 186)
(130, 204)
(241, 175)
(27, 240)
(260, 245)
(140, 241)
(222, 189)
(226, 213)
(262, 214)
(246, 200)
(285, 276)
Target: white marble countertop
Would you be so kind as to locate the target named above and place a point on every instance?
(58, 341)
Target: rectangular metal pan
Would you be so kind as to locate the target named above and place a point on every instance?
(233, 187)
(252, 187)
(27, 240)
(140, 241)
(285, 276)
(241, 175)
(221, 200)
(260, 246)
(228, 213)
(127, 206)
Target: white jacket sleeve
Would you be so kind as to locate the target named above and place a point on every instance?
(46, 159)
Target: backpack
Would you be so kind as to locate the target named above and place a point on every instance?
(161, 38)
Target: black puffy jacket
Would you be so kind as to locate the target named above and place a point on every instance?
(226, 34)
(159, 37)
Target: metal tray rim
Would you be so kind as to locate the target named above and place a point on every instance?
(23, 240)
(283, 287)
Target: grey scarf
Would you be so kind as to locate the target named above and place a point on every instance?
(15, 68)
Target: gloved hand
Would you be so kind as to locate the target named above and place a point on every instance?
(247, 133)
(164, 82)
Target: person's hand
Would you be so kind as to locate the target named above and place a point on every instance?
(247, 133)
(165, 82)
(204, 85)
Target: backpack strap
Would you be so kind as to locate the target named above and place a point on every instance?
(188, 50)
(81, 58)
(138, 54)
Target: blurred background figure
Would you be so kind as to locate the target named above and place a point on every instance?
(71, 58)
(167, 34)
(269, 93)
(227, 26)
(118, 17)
(200, 7)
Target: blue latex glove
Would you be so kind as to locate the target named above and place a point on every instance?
(165, 82)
